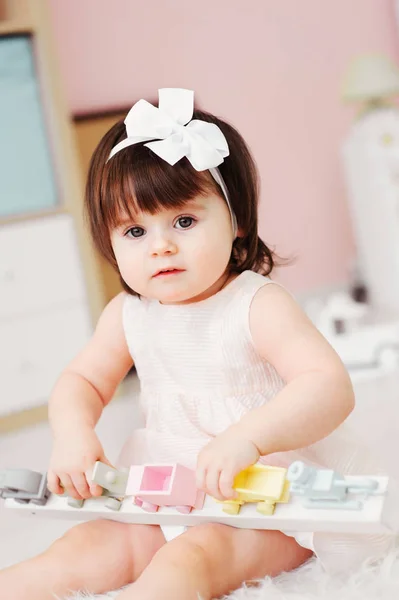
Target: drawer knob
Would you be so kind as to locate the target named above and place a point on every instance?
(8, 276)
(25, 366)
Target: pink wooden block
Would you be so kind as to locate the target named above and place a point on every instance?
(134, 480)
(165, 485)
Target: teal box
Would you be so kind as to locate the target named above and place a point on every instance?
(26, 172)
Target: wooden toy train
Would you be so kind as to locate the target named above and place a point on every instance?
(300, 498)
(173, 485)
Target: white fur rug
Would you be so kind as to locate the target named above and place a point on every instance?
(310, 582)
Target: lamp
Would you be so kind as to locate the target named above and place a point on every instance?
(371, 78)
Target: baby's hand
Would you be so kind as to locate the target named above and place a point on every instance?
(72, 460)
(222, 459)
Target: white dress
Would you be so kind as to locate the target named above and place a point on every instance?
(200, 373)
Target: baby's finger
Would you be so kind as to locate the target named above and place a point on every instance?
(70, 489)
(53, 483)
(95, 489)
(226, 481)
(212, 484)
(81, 486)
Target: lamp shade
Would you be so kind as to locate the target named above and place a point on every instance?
(370, 77)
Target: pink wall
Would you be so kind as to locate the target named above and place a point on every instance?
(273, 68)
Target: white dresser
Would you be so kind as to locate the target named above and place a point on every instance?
(44, 314)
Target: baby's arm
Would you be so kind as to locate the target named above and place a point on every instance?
(317, 397)
(84, 388)
(318, 394)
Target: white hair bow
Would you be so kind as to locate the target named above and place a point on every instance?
(177, 135)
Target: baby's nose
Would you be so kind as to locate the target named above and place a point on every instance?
(163, 244)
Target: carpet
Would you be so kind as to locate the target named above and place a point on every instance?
(311, 582)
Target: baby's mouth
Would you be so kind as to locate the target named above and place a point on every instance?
(168, 272)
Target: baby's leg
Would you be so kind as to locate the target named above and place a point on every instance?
(98, 556)
(209, 561)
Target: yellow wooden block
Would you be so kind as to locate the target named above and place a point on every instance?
(266, 508)
(231, 507)
(261, 482)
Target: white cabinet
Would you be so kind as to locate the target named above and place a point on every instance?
(44, 315)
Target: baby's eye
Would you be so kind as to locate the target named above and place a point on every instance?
(185, 222)
(135, 232)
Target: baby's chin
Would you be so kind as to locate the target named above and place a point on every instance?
(176, 291)
(176, 297)
(169, 296)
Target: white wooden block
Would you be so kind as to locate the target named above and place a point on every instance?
(378, 515)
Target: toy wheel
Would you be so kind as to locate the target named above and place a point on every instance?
(231, 508)
(75, 503)
(39, 501)
(184, 509)
(298, 472)
(22, 500)
(113, 504)
(265, 509)
(149, 507)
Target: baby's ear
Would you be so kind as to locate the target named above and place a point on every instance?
(240, 233)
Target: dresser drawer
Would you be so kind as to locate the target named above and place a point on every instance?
(34, 351)
(39, 266)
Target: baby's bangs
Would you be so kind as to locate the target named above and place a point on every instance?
(139, 180)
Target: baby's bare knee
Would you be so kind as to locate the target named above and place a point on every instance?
(185, 554)
(211, 537)
(97, 555)
(108, 546)
(195, 550)
(95, 535)
(97, 543)
(211, 549)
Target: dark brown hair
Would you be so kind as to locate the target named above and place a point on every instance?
(136, 179)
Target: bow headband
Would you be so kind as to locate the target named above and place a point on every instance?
(171, 133)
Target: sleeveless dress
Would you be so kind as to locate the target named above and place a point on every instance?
(199, 373)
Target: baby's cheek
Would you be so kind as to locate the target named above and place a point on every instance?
(131, 273)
